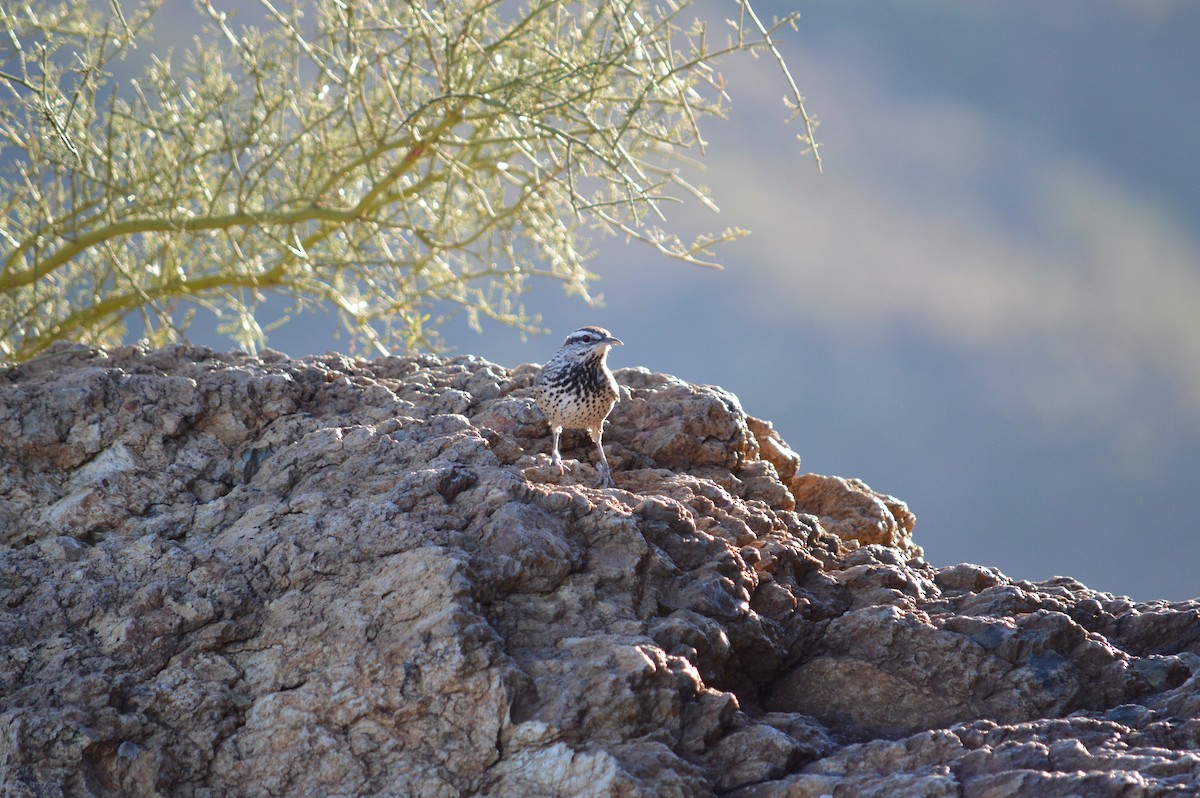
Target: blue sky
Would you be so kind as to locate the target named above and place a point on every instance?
(986, 305)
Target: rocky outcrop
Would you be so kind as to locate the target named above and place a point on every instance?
(229, 575)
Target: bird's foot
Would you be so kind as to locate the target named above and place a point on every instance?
(606, 480)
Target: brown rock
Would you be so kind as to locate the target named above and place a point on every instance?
(225, 574)
(774, 449)
(856, 514)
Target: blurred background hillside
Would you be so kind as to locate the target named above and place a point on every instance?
(988, 303)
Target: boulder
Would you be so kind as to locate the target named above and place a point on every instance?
(224, 574)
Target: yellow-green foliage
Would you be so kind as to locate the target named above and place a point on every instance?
(396, 160)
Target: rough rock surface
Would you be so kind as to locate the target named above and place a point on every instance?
(230, 575)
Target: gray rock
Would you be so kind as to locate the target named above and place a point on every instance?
(230, 575)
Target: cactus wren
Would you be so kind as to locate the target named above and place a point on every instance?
(576, 390)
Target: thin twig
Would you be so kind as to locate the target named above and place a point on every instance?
(810, 126)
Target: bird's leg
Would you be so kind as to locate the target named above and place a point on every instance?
(605, 471)
(555, 457)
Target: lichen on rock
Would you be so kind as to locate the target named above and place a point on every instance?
(234, 575)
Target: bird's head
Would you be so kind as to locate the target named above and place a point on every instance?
(591, 339)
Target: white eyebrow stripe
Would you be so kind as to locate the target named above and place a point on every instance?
(587, 334)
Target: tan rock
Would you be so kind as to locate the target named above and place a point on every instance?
(856, 514)
(774, 449)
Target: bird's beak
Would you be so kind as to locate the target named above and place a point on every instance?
(612, 341)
